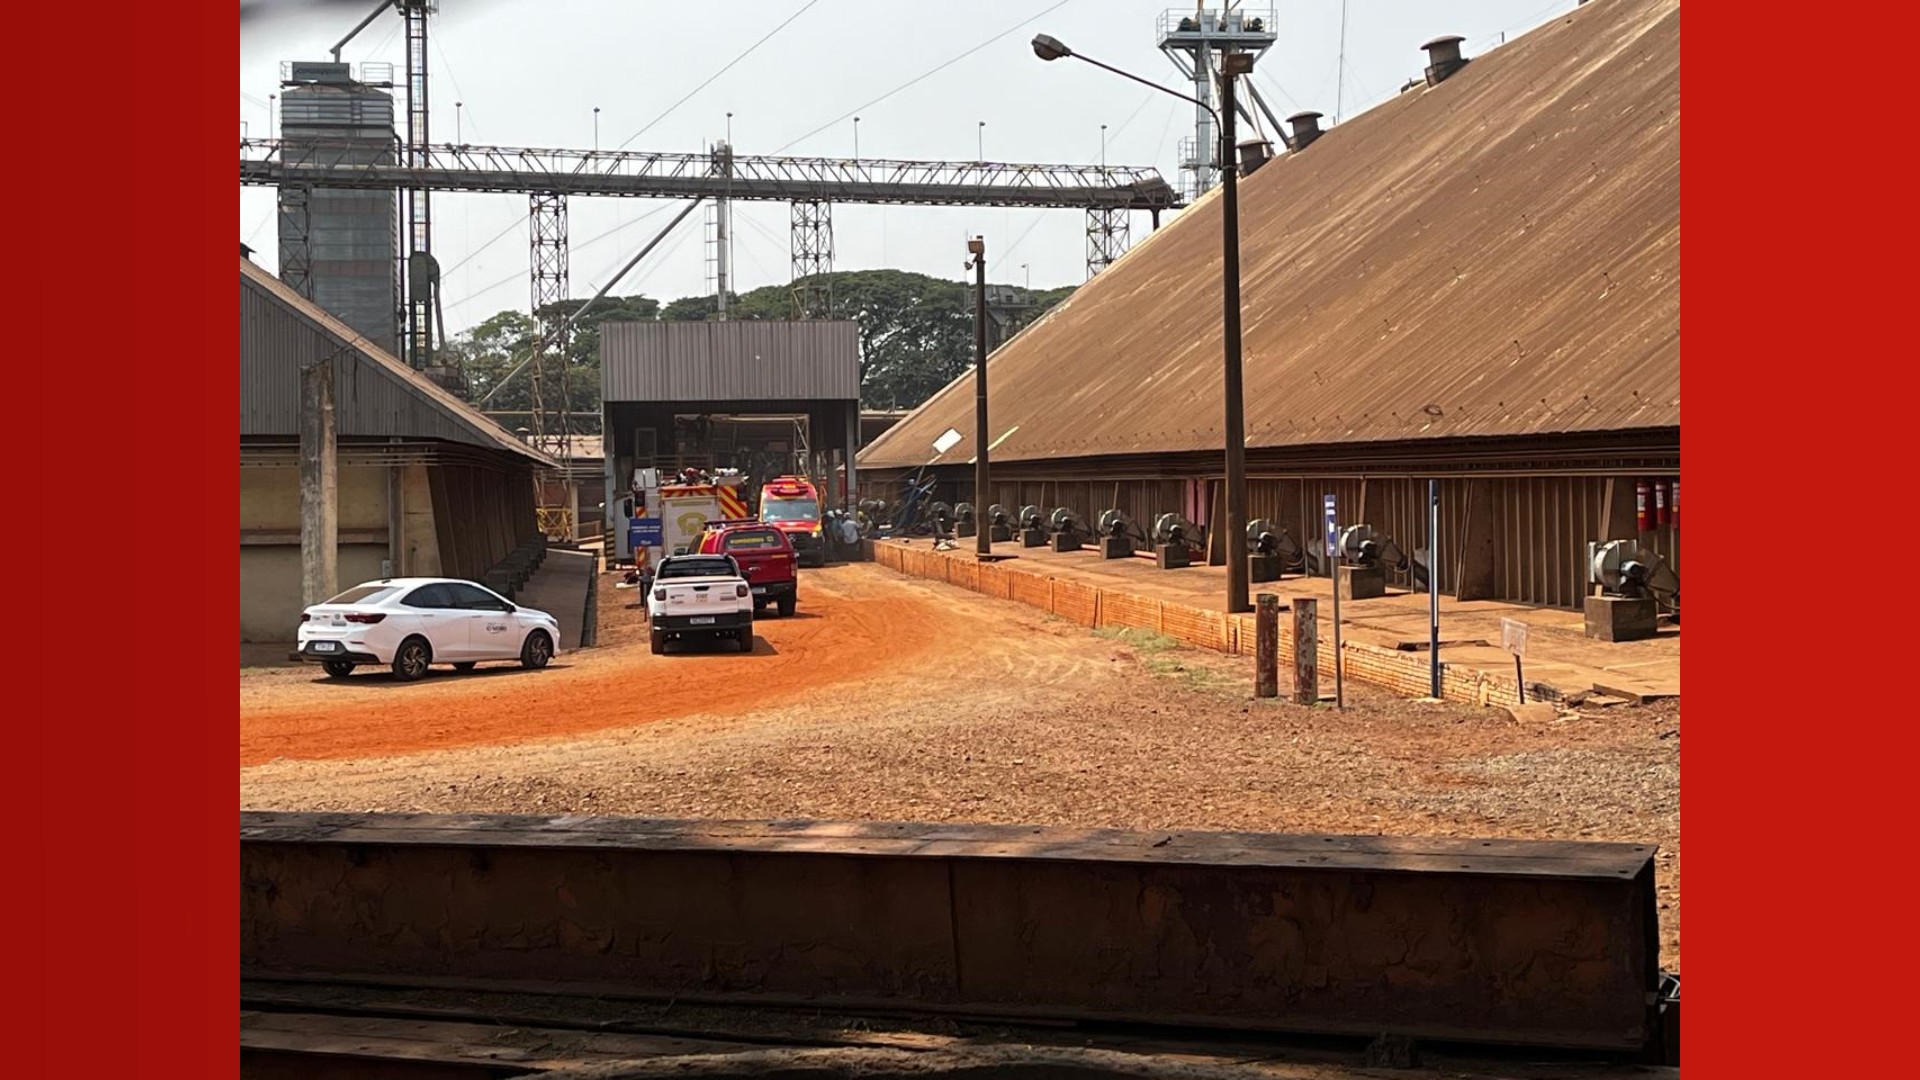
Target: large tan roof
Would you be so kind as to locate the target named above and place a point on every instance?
(1495, 255)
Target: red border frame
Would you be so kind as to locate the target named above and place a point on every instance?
(1796, 294)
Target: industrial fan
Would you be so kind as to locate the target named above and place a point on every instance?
(1069, 531)
(1271, 551)
(1635, 584)
(999, 524)
(1033, 527)
(1116, 535)
(963, 520)
(1174, 538)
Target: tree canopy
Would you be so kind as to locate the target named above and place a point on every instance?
(915, 334)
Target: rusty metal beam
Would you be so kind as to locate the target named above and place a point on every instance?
(1489, 941)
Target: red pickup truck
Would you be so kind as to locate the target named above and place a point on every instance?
(766, 559)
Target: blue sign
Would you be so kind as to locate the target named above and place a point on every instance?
(1333, 531)
(645, 532)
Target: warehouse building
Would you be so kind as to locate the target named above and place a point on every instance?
(426, 485)
(1477, 282)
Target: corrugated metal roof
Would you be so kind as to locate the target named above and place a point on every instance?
(1495, 255)
(751, 360)
(374, 393)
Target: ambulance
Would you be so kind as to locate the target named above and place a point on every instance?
(792, 505)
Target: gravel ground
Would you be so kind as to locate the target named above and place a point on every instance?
(1007, 715)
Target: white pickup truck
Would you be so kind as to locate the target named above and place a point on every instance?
(700, 596)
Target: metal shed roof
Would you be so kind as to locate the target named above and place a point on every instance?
(1496, 255)
(748, 360)
(374, 393)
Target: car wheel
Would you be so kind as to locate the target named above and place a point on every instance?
(787, 604)
(338, 669)
(537, 651)
(659, 642)
(411, 661)
(464, 665)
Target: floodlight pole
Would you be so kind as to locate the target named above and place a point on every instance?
(982, 533)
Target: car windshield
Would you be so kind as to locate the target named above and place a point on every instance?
(684, 567)
(752, 540)
(364, 594)
(789, 510)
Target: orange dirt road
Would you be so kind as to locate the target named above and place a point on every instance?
(851, 624)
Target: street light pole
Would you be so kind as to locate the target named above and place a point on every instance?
(982, 531)
(1232, 66)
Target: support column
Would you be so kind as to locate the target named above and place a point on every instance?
(1109, 231)
(319, 485)
(812, 259)
(853, 449)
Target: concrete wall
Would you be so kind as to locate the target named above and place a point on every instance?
(455, 519)
(270, 543)
(270, 586)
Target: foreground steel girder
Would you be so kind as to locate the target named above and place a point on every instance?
(1495, 941)
(269, 162)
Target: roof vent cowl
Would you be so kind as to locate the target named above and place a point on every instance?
(1443, 58)
(1306, 128)
(1253, 154)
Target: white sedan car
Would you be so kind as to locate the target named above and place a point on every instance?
(407, 624)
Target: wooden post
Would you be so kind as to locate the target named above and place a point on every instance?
(1306, 650)
(1266, 662)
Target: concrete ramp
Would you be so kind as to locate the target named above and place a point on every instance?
(1485, 941)
(559, 588)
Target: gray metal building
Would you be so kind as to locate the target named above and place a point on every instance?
(427, 485)
(337, 246)
(662, 383)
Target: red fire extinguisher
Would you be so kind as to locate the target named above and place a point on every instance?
(1662, 513)
(1642, 510)
(1675, 500)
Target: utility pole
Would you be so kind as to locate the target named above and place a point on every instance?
(983, 536)
(1232, 65)
(319, 485)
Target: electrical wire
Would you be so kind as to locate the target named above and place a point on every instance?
(924, 75)
(804, 8)
(521, 274)
(466, 111)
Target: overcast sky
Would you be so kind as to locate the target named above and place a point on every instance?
(531, 72)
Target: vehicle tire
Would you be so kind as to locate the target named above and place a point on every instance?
(659, 642)
(537, 650)
(411, 660)
(745, 638)
(465, 665)
(787, 604)
(338, 669)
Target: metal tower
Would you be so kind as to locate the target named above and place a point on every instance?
(552, 345)
(420, 274)
(1109, 232)
(812, 245)
(720, 230)
(1190, 38)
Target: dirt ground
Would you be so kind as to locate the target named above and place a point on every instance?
(898, 699)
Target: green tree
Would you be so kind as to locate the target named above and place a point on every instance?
(915, 336)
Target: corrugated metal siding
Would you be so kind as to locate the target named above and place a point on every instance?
(754, 360)
(1494, 256)
(1536, 528)
(374, 395)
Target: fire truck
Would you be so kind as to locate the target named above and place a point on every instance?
(685, 509)
(792, 505)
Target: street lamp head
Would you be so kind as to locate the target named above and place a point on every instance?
(977, 246)
(1049, 48)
